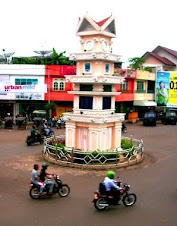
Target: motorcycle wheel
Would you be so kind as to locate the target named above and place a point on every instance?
(34, 193)
(64, 190)
(52, 134)
(98, 203)
(28, 143)
(129, 200)
(125, 130)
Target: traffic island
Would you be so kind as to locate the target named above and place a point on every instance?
(130, 153)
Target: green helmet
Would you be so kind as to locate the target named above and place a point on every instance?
(111, 174)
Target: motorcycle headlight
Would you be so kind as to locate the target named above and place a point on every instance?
(58, 177)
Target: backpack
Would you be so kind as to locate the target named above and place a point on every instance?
(102, 188)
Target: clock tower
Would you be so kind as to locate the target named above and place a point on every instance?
(93, 124)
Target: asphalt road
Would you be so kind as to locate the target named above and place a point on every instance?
(154, 181)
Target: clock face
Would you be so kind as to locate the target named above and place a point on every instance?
(89, 45)
(105, 45)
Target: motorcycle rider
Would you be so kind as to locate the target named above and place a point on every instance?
(111, 186)
(35, 178)
(33, 130)
(47, 177)
(34, 134)
(47, 130)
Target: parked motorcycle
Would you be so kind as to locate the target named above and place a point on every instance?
(102, 200)
(59, 188)
(124, 128)
(38, 138)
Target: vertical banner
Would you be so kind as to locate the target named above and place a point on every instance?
(166, 89)
(173, 90)
(162, 88)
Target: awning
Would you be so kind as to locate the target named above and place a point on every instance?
(39, 112)
(144, 103)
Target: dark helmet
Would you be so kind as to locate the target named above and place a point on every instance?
(45, 165)
(111, 174)
(36, 166)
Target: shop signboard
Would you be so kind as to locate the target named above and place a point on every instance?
(4, 80)
(21, 92)
(166, 88)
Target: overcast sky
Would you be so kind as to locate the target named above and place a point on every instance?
(140, 25)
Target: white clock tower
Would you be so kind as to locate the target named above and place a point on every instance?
(93, 124)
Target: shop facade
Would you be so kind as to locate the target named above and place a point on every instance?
(22, 89)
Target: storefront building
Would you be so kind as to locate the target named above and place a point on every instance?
(57, 88)
(124, 102)
(22, 89)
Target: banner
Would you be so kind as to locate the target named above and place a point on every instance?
(24, 88)
(166, 89)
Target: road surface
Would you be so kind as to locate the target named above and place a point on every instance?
(154, 181)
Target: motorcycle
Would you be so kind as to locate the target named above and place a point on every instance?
(124, 128)
(44, 133)
(59, 188)
(60, 124)
(37, 138)
(102, 200)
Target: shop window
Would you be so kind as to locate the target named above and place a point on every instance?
(86, 102)
(19, 81)
(124, 86)
(140, 87)
(55, 86)
(106, 103)
(151, 87)
(61, 88)
(58, 85)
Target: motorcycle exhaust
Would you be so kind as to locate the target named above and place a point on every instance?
(104, 204)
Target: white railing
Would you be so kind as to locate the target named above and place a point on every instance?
(96, 157)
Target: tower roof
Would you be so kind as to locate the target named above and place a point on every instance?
(102, 22)
(87, 26)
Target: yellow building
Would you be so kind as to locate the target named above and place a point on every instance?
(144, 89)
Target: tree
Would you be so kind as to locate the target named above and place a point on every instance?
(49, 107)
(60, 59)
(136, 63)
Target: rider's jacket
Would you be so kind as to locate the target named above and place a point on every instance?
(110, 183)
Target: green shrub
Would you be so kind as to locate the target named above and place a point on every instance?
(126, 144)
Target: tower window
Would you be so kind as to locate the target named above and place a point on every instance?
(87, 67)
(107, 88)
(86, 102)
(106, 103)
(86, 87)
(106, 68)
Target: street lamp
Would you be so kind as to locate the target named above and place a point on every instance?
(43, 52)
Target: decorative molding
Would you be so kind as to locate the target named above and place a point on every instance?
(117, 117)
(108, 79)
(94, 93)
(92, 55)
(94, 112)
